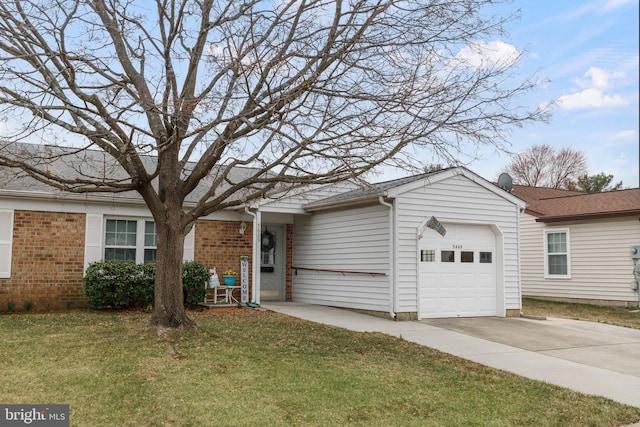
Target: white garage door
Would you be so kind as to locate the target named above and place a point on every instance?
(458, 272)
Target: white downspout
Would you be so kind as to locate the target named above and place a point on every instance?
(255, 257)
(392, 276)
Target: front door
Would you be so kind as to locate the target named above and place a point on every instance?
(272, 262)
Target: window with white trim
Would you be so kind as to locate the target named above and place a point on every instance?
(557, 261)
(150, 241)
(130, 240)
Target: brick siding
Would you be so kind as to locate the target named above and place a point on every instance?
(48, 258)
(219, 244)
(47, 264)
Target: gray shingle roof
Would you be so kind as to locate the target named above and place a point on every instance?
(371, 191)
(70, 163)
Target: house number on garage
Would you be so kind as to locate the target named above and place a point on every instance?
(457, 246)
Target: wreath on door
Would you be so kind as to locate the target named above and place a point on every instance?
(268, 241)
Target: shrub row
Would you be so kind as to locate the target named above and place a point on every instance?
(125, 284)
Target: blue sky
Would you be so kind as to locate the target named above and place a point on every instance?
(588, 51)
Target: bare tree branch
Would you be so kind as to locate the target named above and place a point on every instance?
(542, 166)
(295, 91)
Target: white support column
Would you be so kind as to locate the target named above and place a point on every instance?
(255, 256)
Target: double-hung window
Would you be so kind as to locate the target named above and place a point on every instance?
(149, 241)
(130, 240)
(557, 256)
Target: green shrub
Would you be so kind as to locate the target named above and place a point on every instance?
(125, 284)
(194, 277)
(119, 284)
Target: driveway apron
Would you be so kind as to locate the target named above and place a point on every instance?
(589, 343)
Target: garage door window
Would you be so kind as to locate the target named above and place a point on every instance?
(428, 255)
(486, 257)
(447, 256)
(466, 256)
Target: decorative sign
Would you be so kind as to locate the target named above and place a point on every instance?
(434, 224)
(244, 279)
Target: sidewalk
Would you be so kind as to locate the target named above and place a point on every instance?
(580, 377)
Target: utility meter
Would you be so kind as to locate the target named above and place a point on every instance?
(634, 251)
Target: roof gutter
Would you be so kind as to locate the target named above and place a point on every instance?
(368, 198)
(596, 215)
(106, 197)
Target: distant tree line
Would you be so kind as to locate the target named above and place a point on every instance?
(543, 166)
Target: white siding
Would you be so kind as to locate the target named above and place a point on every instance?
(601, 267)
(354, 240)
(6, 237)
(456, 200)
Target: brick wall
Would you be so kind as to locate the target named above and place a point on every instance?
(48, 257)
(219, 244)
(47, 262)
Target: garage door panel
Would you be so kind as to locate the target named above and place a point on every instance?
(448, 277)
(448, 303)
(486, 302)
(459, 289)
(429, 304)
(467, 304)
(429, 280)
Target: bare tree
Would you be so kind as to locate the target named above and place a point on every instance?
(304, 91)
(542, 166)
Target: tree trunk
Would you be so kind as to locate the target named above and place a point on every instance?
(168, 309)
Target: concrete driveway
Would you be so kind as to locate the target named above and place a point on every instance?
(594, 344)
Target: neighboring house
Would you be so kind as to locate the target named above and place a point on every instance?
(576, 246)
(441, 244)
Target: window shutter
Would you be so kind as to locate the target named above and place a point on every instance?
(6, 236)
(189, 245)
(93, 250)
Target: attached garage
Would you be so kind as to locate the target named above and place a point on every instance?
(442, 244)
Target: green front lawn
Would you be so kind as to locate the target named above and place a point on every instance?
(248, 367)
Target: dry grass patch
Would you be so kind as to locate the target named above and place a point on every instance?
(619, 316)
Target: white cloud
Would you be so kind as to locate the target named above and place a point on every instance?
(486, 55)
(590, 98)
(625, 137)
(596, 82)
(617, 4)
(598, 78)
